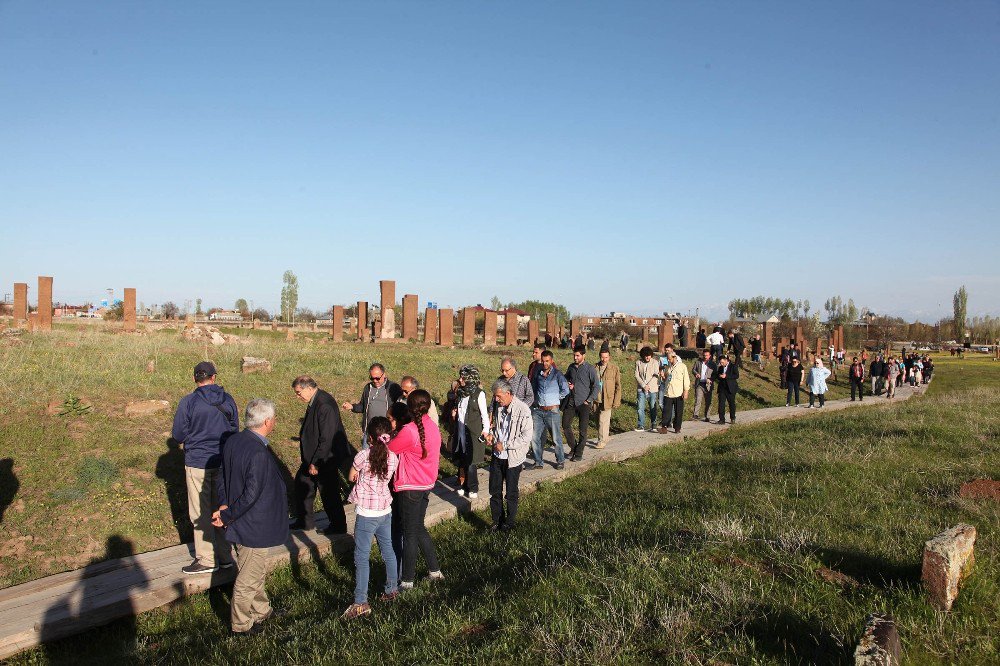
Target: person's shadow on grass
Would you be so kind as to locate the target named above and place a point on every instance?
(79, 609)
(170, 469)
(9, 485)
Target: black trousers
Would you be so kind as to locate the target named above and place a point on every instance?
(675, 405)
(792, 388)
(466, 462)
(412, 512)
(330, 489)
(582, 414)
(501, 473)
(857, 384)
(784, 376)
(725, 397)
(813, 396)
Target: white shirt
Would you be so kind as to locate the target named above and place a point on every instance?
(715, 339)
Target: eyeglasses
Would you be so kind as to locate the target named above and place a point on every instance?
(375, 379)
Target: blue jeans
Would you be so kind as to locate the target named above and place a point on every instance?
(643, 400)
(364, 529)
(550, 421)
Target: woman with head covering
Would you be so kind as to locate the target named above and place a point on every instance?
(470, 425)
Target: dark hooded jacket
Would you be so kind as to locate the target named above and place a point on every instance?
(203, 418)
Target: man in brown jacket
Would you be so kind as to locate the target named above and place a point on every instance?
(609, 396)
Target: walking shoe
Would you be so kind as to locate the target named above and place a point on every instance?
(196, 568)
(721, 422)
(707, 420)
(386, 597)
(640, 429)
(600, 445)
(663, 430)
(677, 430)
(460, 492)
(435, 575)
(252, 631)
(472, 495)
(788, 404)
(576, 459)
(355, 611)
(560, 465)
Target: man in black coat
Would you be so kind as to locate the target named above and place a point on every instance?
(325, 452)
(253, 509)
(726, 376)
(378, 394)
(736, 346)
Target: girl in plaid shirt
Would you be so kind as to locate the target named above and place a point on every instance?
(371, 471)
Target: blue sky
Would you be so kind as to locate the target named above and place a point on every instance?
(609, 156)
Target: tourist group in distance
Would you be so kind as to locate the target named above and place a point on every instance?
(237, 494)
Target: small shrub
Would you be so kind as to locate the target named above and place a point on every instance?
(96, 472)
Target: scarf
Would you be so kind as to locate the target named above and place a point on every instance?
(471, 376)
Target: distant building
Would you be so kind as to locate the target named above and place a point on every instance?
(226, 316)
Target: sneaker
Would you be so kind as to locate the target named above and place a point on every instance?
(600, 445)
(663, 430)
(560, 465)
(405, 585)
(460, 492)
(355, 611)
(435, 575)
(576, 459)
(472, 495)
(788, 404)
(706, 420)
(721, 422)
(196, 568)
(640, 430)
(252, 631)
(387, 597)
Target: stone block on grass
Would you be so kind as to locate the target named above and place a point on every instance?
(250, 364)
(879, 644)
(948, 560)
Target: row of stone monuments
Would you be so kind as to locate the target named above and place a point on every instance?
(41, 319)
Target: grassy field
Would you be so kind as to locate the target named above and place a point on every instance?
(709, 552)
(84, 476)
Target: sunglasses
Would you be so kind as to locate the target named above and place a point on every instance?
(375, 379)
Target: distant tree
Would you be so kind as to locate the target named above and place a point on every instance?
(496, 303)
(289, 295)
(170, 310)
(538, 310)
(242, 307)
(260, 314)
(115, 312)
(305, 315)
(960, 303)
(197, 307)
(839, 313)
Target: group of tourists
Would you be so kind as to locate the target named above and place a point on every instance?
(237, 494)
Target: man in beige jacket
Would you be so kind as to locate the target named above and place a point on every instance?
(647, 379)
(678, 381)
(609, 396)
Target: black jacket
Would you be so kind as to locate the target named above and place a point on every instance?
(696, 371)
(322, 435)
(729, 384)
(793, 374)
(736, 344)
(392, 390)
(250, 484)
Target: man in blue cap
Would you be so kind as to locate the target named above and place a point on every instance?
(204, 418)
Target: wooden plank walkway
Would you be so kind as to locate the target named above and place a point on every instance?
(74, 601)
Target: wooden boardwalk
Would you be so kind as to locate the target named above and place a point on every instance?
(74, 601)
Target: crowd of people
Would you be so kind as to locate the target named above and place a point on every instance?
(238, 500)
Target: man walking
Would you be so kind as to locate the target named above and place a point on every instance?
(647, 379)
(726, 376)
(536, 362)
(254, 511)
(376, 397)
(704, 373)
(204, 418)
(678, 383)
(324, 452)
(877, 373)
(510, 438)
(756, 344)
(550, 387)
(519, 384)
(857, 378)
(736, 346)
(582, 380)
(609, 396)
(715, 341)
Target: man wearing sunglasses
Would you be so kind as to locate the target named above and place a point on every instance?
(378, 394)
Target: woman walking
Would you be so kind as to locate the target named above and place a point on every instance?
(793, 378)
(817, 382)
(371, 471)
(418, 446)
(470, 425)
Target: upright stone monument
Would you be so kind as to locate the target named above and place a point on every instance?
(575, 328)
(510, 329)
(189, 322)
(337, 323)
(532, 331)
(767, 338)
(800, 340)
(410, 305)
(820, 347)
(840, 338)
(362, 320)
(785, 343)
(20, 302)
(128, 310)
(44, 303)
(490, 328)
(430, 326)
(550, 325)
(645, 334)
(468, 327)
(446, 327)
(388, 289)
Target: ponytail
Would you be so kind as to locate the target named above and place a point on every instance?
(419, 404)
(378, 452)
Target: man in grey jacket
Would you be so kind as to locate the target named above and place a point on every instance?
(510, 437)
(583, 389)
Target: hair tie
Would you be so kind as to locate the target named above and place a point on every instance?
(384, 438)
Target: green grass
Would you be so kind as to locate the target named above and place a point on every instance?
(145, 503)
(705, 552)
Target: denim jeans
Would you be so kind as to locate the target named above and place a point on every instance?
(543, 420)
(644, 400)
(364, 529)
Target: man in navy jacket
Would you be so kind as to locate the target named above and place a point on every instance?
(254, 510)
(204, 417)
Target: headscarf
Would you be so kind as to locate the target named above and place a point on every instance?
(471, 376)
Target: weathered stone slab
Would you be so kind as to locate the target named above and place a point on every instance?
(446, 327)
(128, 310)
(362, 329)
(388, 290)
(490, 328)
(145, 407)
(550, 324)
(948, 560)
(337, 323)
(510, 328)
(575, 328)
(468, 327)
(410, 305)
(430, 326)
(879, 644)
(44, 303)
(250, 364)
(980, 489)
(532, 331)
(20, 302)
(767, 338)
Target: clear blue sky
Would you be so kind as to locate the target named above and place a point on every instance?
(610, 156)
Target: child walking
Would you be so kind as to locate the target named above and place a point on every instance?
(371, 471)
